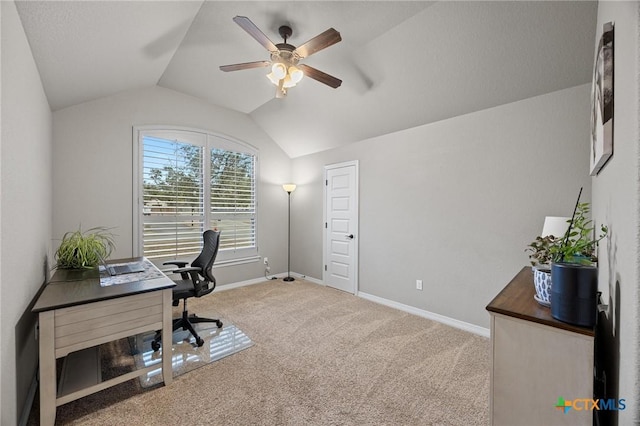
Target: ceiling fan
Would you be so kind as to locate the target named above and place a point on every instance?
(286, 72)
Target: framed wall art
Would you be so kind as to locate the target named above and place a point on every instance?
(602, 102)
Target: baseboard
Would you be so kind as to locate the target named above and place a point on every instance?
(239, 284)
(471, 328)
(307, 278)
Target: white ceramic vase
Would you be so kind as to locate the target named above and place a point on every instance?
(542, 282)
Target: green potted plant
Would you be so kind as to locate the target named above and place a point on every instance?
(84, 250)
(579, 247)
(574, 272)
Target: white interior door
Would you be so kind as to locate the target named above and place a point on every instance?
(341, 226)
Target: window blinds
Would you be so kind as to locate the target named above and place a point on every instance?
(233, 207)
(176, 187)
(172, 197)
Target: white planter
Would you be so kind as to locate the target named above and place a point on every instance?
(542, 282)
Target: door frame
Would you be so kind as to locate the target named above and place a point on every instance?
(328, 167)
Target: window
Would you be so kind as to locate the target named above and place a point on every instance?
(189, 181)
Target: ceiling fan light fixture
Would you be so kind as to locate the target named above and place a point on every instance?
(273, 78)
(296, 74)
(279, 70)
(288, 82)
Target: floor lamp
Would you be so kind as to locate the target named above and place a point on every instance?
(289, 187)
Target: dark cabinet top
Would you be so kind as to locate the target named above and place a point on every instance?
(516, 300)
(76, 287)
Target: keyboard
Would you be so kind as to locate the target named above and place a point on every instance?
(129, 268)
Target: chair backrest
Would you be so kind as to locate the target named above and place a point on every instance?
(207, 256)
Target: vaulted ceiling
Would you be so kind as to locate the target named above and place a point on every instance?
(403, 64)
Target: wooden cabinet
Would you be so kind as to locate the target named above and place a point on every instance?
(536, 360)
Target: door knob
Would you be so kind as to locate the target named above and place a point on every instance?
(350, 236)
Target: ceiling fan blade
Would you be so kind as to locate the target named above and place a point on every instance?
(245, 66)
(255, 32)
(320, 76)
(319, 42)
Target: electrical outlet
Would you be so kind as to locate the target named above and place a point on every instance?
(418, 284)
(268, 268)
(265, 260)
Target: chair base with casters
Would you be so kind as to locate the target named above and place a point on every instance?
(185, 323)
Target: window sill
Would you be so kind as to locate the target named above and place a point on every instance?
(217, 264)
(234, 262)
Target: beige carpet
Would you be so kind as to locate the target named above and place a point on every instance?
(320, 357)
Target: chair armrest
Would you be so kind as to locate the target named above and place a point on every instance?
(195, 278)
(187, 269)
(189, 272)
(178, 263)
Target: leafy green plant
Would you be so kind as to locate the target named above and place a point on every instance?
(580, 246)
(84, 250)
(543, 251)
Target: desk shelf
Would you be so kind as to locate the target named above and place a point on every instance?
(80, 370)
(81, 375)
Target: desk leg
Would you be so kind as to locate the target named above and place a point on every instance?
(47, 369)
(167, 337)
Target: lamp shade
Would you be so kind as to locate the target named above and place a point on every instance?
(272, 78)
(555, 225)
(279, 70)
(288, 82)
(296, 74)
(289, 187)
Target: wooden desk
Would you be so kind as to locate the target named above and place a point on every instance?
(75, 313)
(536, 359)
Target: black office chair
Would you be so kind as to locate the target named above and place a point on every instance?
(197, 281)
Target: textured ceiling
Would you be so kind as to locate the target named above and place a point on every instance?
(403, 64)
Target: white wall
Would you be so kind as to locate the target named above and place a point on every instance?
(2, 347)
(616, 202)
(453, 203)
(26, 210)
(93, 167)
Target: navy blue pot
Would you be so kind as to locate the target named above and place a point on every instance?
(574, 293)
